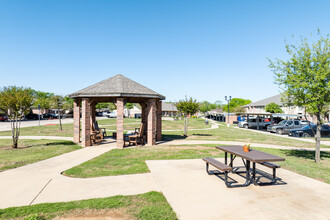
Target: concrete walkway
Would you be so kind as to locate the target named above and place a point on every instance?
(193, 194)
(42, 181)
(190, 191)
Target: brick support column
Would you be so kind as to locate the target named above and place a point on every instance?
(86, 123)
(76, 121)
(93, 109)
(143, 113)
(120, 123)
(159, 121)
(152, 122)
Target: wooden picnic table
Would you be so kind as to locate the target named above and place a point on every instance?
(254, 156)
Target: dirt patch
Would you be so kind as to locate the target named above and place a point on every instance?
(11, 148)
(118, 214)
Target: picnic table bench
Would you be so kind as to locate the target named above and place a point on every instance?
(220, 166)
(253, 156)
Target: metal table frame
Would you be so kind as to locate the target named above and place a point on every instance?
(247, 164)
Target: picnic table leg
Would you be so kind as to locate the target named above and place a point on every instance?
(274, 176)
(247, 182)
(231, 160)
(226, 158)
(254, 173)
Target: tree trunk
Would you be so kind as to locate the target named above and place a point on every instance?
(59, 117)
(15, 124)
(318, 139)
(185, 126)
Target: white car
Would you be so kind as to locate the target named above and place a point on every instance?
(243, 124)
(112, 114)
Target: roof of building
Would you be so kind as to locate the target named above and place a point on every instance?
(117, 86)
(169, 107)
(276, 99)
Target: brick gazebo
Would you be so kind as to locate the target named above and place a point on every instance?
(119, 90)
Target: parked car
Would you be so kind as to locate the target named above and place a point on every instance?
(3, 117)
(32, 116)
(48, 116)
(68, 115)
(252, 123)
(263, 123)
(98, 113)
(243, 124)
(272, 128)
(285, 127)
(112, 114)
(306, 131)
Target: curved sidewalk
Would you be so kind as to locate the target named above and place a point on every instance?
(42, 182)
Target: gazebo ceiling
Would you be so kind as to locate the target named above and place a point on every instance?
(117, 86)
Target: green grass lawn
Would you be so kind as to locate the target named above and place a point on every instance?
(132, 160)
(30, 151)
(222, 133)
(148, 206)
(44, 130)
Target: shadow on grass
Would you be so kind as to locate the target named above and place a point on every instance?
(202, 134)
(22, 146)
(305, 154)
(58, 143)
(171, 137)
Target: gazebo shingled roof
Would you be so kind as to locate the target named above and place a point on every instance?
(117, 86)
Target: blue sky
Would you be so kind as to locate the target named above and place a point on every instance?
(202, 49)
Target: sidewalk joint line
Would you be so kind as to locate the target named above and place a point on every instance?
(40, 192)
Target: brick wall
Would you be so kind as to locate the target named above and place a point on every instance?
(152, 122)
(85, 122)
(120, 123)
(76, 121)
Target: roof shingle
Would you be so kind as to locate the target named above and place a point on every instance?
(276, 99)
(117, 86)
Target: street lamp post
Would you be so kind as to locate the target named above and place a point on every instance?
(39, 114)
(228, 100)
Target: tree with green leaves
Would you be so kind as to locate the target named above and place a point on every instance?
(129, 106)
(236, 104)
(107, 105)
(67, 103)
(204, 107)
(43, 99)
(305, 79)
(16, 102)
(273, 108)
(187, 107)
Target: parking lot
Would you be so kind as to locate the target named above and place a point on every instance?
(311, 140)
(5, 125)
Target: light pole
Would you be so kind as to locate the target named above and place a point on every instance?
(228, 100)
(39, 114)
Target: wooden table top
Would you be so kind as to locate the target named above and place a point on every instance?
(253, 155)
